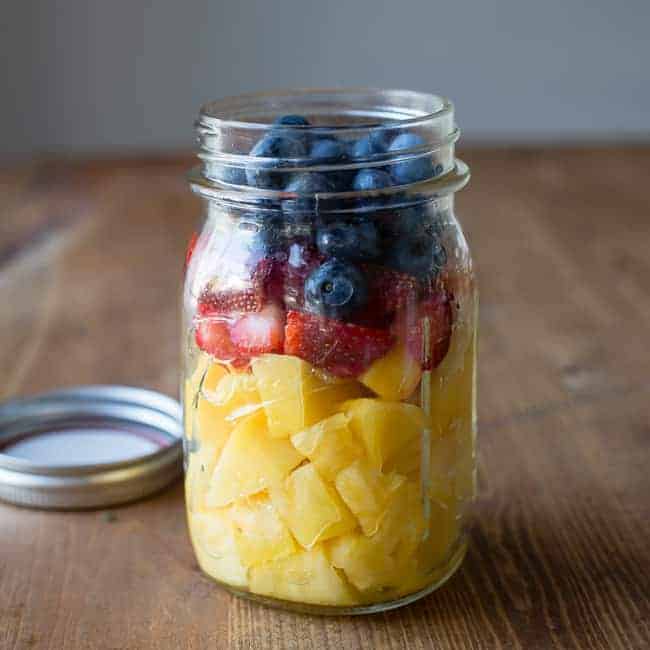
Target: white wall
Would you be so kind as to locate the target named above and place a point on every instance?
(112, 74)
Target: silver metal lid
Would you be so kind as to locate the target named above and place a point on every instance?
(88, 447)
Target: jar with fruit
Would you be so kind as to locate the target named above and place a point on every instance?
(329, 344)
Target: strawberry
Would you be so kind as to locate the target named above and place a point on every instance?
(226, 302)
(213, 336)
(344, 349)
(259, 332)
(237, 339)
(436, 310)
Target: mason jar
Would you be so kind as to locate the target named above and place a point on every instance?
(329, 350)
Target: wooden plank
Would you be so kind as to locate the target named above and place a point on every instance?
(90, 267)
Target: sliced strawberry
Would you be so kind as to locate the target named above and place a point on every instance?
(213, 336)
(191, 245)
(260, 332)
(436, 312)
(226, 302)
(343, 349)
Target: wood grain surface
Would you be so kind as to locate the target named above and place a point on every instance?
(90, 268)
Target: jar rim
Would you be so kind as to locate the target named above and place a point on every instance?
(216, 113)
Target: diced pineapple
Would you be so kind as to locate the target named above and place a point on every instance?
(260, 534)
(250, 462)
(403, 526)
(405, 532)
(395, 376)
(392, 558)
(305, 577)
(214, 544)
(365, 562)
(367, 492)
(383, 427)
(406, 460)
(213, 375)
(329, 444)
(296, 395)
(311, 508)
(224, 400)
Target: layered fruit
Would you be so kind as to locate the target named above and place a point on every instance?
(329, 394)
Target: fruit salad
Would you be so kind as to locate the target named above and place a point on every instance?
(329, 386)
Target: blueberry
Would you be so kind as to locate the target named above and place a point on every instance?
(418, 253)
(327, 149)
(231, 175)
(291, 120)
(353, 240)
(306, 185)
(273, 146)
(331, 151)
(372, 144)
(371, 179)
(335, 290)
(410, 171)
(310, 183)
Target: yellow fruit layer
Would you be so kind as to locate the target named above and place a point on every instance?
(302, 487)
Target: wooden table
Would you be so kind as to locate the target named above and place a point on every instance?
(90, 264)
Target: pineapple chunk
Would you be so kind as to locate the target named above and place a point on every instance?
(384, 427)
(224, 400)
(311, 508)
(305, 577)
(260, 534)
(365, 562)
(406, 460)
(250, 462)
(398, 557)
(295, 395)
(402, 528)
(213, 374)
(214, 544)
(367, 493)
(395, 376)
(329, 444)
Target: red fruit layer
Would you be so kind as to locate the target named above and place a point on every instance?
(343, 349)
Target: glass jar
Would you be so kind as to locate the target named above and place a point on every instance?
(329, 345)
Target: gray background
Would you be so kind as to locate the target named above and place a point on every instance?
(99, 75)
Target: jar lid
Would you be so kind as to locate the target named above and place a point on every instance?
(88, 447)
